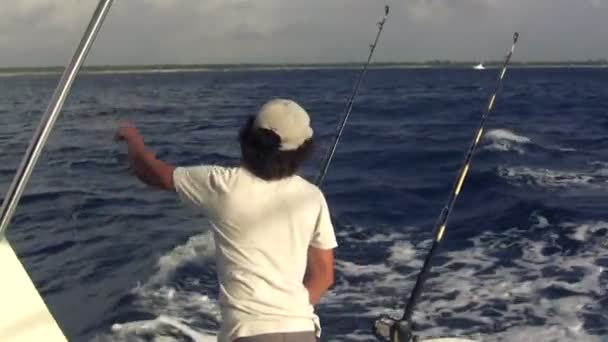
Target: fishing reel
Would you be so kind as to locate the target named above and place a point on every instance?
(388, 329)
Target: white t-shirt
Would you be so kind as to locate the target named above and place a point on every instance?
(262, 232)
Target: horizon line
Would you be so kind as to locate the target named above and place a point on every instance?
(268, 64)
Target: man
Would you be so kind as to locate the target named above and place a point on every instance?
(272, 229)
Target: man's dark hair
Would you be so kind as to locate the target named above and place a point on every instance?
(262, 157)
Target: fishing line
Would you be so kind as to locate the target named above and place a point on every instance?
(389, 329)
(342, 123)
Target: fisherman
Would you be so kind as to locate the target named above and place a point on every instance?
(272, 229)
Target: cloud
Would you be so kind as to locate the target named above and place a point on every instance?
(43, 32)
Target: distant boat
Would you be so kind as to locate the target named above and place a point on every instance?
(479, 67)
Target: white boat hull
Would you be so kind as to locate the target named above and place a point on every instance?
(24, 316)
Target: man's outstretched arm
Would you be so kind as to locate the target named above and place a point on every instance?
(144, 163)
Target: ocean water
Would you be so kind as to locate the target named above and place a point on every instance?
(523, 259)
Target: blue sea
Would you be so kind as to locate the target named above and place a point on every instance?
(524, 257)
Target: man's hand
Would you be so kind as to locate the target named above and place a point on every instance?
(127, 132)
(144, 164)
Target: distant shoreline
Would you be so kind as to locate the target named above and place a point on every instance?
(167, 68)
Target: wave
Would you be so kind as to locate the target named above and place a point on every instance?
(183, 311)
(505, 140)
(550, 290)
(596, 177)
(165, 328)
(506, 135)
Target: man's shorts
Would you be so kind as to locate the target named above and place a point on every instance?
(304, 336)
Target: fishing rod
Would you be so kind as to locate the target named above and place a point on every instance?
(51, 114)
(349, 107)
(389, 329)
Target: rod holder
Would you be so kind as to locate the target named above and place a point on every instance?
(388, 329)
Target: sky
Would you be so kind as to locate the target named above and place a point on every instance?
(46, 32)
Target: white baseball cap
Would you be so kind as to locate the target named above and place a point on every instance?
(288, 120)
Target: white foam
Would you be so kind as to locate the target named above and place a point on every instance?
(546, 178)
(476, 281)
(544, 334)
(505, 134)
(176, 307)
(403, 250)
(541, 222)
(361, 234)
(501, 301)
(163, 329)
(562, 149)
(199, 247)
(505, 140)
(599, 168)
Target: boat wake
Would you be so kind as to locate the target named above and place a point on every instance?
(182, 302)
(550, 290)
